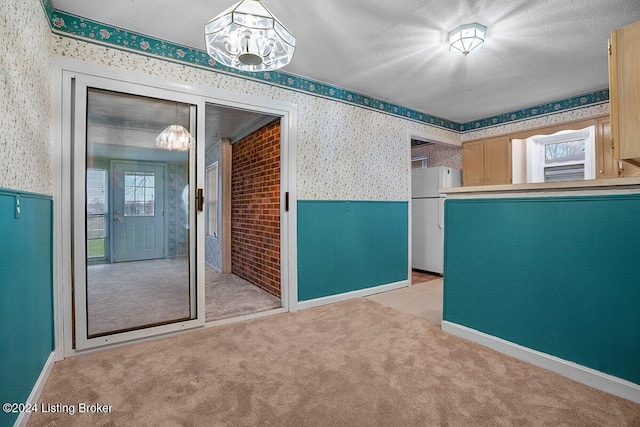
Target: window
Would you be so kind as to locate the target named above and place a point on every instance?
(212, 200)
(139, 191)
(564, 156)
(96, 213)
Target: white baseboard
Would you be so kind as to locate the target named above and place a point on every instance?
(588, 376)
(353, 294)
(23, 418)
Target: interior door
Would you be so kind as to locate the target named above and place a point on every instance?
(153, 281)
(138, 211)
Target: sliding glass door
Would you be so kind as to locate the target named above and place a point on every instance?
(135, 213)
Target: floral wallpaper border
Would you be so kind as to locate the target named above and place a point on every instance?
(579, 101)
(69, 25)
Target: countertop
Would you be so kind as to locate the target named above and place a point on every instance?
(613, 185)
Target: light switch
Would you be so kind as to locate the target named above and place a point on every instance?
(18, 209)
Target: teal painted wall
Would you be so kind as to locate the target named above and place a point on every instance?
(345, 246)
(560, 275)
(26, 295)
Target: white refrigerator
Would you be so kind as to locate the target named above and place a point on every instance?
(427, 216)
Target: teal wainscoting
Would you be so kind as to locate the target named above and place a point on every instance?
(26, 294)
(560, 275)
(345, 246)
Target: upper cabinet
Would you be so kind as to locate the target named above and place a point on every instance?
(606, 158)
(486, 162)
(624, 91)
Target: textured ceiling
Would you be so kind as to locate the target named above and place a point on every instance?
(536, 51)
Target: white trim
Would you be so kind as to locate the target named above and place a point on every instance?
(32, 400)
(588, 376)
(59, 240)
(302, 305)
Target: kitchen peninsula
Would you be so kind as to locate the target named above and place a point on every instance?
(549, 273)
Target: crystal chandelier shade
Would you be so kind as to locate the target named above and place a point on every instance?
(248, 37)
(467, 38)
(175, 137)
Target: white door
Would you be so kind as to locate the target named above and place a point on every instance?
(148, 215)
(138, 210)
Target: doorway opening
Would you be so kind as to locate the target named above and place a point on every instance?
(242, 245)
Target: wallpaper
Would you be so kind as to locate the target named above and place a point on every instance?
(439, 155)
(177, 220)
(25, 97)
(344, 152)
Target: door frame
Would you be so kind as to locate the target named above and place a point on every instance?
(64, 69)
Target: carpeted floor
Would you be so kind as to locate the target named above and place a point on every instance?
(227, 296)
(132, 294)
(354, 363)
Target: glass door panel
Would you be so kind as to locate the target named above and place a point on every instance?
(134, 198)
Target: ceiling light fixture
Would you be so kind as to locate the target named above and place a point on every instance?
(248, 37)
(175, 137)
(467, 38)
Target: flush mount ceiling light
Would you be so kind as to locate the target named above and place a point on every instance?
(467, 38)
(248, 37)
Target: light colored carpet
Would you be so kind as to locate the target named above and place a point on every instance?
(132, 294)
(354, 363)
(126, 295)
(227, 295)
(422, 300)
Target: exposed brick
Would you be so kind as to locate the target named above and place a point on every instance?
(255, 208)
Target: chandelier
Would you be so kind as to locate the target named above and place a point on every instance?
(175, 137)
(467, 38)
(248, 37)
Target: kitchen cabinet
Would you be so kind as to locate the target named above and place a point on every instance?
(628, 170)
(606, 157)
(624, 91)
(486, 161)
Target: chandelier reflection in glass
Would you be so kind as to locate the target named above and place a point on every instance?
(467, 38)
(248, 37)
(175, 137)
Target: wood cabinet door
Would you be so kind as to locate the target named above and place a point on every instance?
(629, 170)
(606, 162)
(624, 69)
(497, 161)
(472, 163)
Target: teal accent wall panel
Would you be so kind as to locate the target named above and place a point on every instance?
(26, 294)
(560, 275)
(345, 246)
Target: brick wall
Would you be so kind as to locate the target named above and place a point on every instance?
(255, 208)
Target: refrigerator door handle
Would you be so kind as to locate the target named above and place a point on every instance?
(441, 213)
